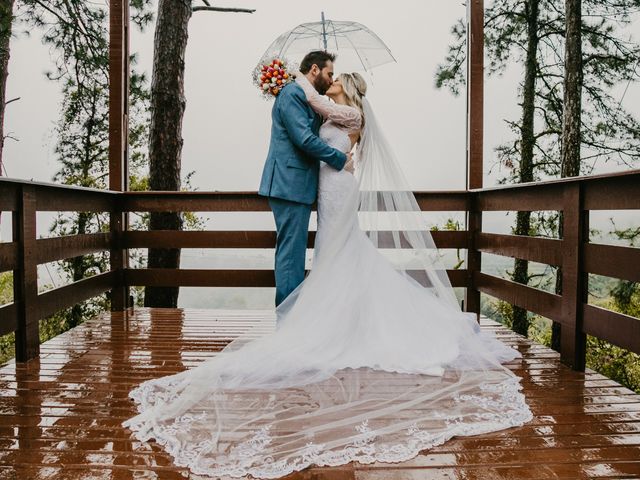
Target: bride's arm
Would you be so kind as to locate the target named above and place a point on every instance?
(344, 115)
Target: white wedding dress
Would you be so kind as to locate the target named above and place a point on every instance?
(366, 364)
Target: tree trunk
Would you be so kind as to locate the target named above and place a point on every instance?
(523, 219)
(165, 142)
(6, 19)
(572, 105)
(571, 117)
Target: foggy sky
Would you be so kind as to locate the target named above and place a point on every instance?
(227, 123)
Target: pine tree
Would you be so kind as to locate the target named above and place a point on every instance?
(6, 21)
(571, 119)
(78, 35)
(532, 33)
(165, 145)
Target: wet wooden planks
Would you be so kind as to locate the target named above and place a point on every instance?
(60, 414)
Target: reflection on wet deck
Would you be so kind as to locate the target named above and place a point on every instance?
(60, 413)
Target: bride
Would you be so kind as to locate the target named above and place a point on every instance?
(372, 359)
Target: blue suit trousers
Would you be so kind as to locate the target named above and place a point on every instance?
(292, 226)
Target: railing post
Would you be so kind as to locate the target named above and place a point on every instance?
(118, 140)
(25, 278)
(475, 137)
(120, 292)
(474, 227)
(475, 94)
(574, 284)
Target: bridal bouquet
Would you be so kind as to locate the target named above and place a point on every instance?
(270, 78)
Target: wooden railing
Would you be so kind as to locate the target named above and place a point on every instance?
(573, 253)
(25, 252)
(242, 202)
(576, 256)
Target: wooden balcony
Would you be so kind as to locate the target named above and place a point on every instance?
(63, 401)
(61, 412)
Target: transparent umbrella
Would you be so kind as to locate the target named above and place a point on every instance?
(357, 47)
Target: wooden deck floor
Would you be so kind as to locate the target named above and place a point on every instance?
(60, 414)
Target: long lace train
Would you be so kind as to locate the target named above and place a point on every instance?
(370, 361)
(359, 415)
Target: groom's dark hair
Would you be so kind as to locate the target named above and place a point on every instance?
(317, 57)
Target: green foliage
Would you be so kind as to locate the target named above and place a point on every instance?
(141, 12)
(452, 73)
(77, 33)
(631, 235)
(452, 226)
(6, 287)
(79, 38)
(614, 362)
(610, 59)
(502, 312)
(49, 327)
(7, 342)
(621, 296)
(626, 298)
(7, 347)
(608, 131)
(540, 330)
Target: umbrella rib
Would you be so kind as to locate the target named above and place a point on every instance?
(285, 43)
(373, 34)
(357, 53)
(306, 26)
(309, 31)
(352, 30)
(335, 37)
(306, 35)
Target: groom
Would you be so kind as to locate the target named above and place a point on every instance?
(291, 171)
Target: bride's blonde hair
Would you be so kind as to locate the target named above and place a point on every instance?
(355, 87)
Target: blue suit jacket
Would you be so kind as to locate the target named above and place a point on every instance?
(292, 167)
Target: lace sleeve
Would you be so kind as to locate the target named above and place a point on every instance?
(344, 115)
